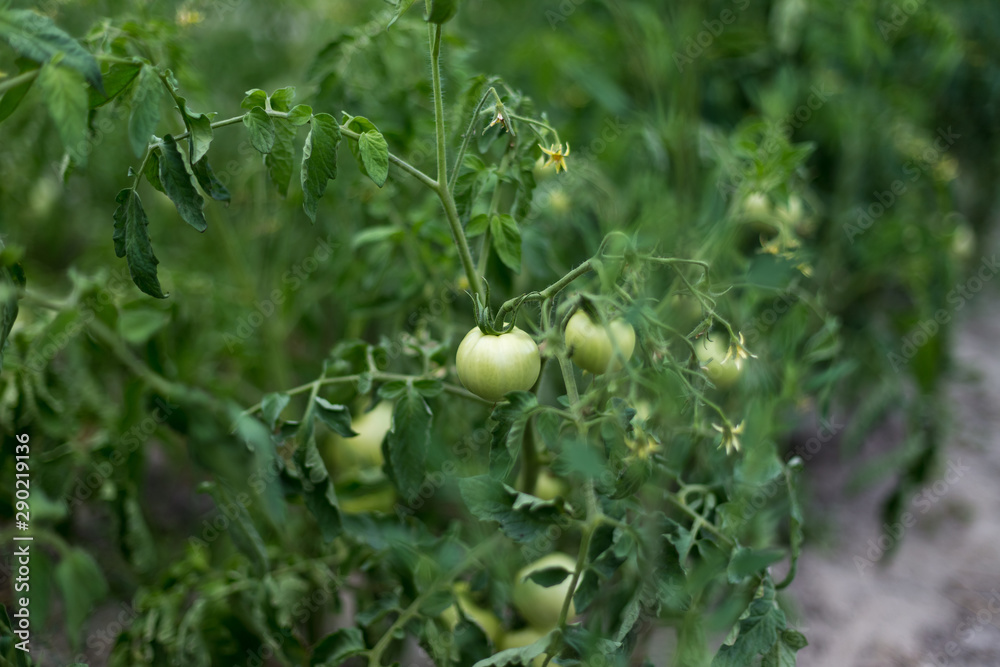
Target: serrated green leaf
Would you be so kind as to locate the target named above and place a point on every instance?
(212, 186)
(428, 388)
(549, 576)
(319, 160)
(405, 446)
(375, 156)
(177, 184)
(132, 242)
(758, 631)
(12, 98)
(254, 98)
(116, 81)
(300, 114)
(746, 562)
(507, 241)
(518, 656)
(82, 585)
(280, 160)
(242, 530)
(200, 127)
(521, 517)
(441, 11)
(260, 128)
(321, 501)
(337, 417)
(335, 648)
(36, 37)
(145, 116)
(66, 100)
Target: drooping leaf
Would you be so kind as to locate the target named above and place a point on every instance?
(405, 446)
(177, 184)
(519, 656)
(521, 517)
(401, 7)
(337, 417)
(260, 128)
(375, 156)
(281, 158)
(212, 186)
(132, 242)
(319, 160)
(36, 37)
(507, 241)
(82, 585)
(66, 99)
(145, 116)
(271, 407)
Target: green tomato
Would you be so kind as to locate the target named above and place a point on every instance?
(484, 618)
(343, 455)
(549, 487)
(490, 366)
(522, 638)
(540, 606)
(711, 353)
(590, 346)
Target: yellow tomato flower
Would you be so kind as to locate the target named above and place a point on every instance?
(730, 436)
(556, 156)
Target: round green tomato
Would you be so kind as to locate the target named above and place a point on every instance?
(711, 353)
(363, 450)
(540, 606)
(484, 618)
(590, 346)
(491, 366)
(549, 487)
(522, 638)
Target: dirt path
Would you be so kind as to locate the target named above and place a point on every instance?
(937, 601)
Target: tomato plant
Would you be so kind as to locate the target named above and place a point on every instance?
(586, 364)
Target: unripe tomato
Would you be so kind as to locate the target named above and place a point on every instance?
(540, 606)
(490, 366)
(549, 487)
(542, 172)
(590, 346)
(363, 450)
(484, 618)
(522, 638)
(723, 375)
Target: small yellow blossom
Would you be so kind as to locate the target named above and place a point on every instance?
(730, 436)
(499, 118)
(556, 156)
(186, 17)
(738, 353)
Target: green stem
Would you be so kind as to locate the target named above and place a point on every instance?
(469, 131)
(549, 291)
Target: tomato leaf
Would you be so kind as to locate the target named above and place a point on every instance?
(12, 98)
(212, 186)
(260, 128)
(521, 517)
(300, 114)
(271, 407)
(36, 37)
(82, 585)
(335, 648)
(319, 160)
(549, 576)
(116, 81)
(375, 156)
(280, 159)
(281, 99)
(507, 241)
(132, 242)
(177, 184)
(519, 656)
(405, 446)
(66, 99)
(152, 170)
(477, 226)
(746, 562)
(337, 417)
(401, 7)
(145, 116)
(254, 98)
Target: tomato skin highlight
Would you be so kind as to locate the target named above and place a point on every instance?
(711, 353)
(590, 346)
(541, 606)
(343, 455)
(490, 366)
